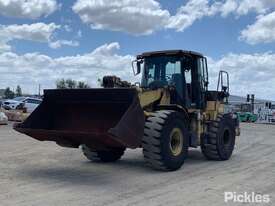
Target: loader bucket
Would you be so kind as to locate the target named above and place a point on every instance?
(99, 118)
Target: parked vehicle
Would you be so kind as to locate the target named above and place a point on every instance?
(16, 103)
(22, 102)
(247, 117)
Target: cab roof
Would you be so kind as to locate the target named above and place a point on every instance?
(169, 52)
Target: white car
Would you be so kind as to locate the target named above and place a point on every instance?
(29, 103)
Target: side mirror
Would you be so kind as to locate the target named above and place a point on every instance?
(136, 65)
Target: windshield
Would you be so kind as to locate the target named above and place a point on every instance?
(162, 69)
(19, 99)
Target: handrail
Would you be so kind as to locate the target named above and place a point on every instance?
(221, 84)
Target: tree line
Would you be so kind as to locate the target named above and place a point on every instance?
(71, 84)
(60, 84)
(9, 94)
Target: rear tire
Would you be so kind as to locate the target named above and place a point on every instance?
(220, 141)
(102, 156)
(165, 141)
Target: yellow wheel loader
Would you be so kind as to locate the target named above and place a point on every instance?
(170, 110)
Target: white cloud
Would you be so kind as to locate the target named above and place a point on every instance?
(131, 16)
(68, 28)
(244, 7)
(258, 6)
(59, 43)
(249, 73)
(38, 32)
(262, 31)
(228, 7)
(192, 11)
(4, 47)
(79, 34)
(29, 70)
(32, 9)
(145, 17)
(195, 10)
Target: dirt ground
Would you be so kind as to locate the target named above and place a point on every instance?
(41, 173)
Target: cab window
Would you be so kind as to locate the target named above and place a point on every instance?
(202, 72)
(161, 68)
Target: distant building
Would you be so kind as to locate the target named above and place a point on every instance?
(264, 109)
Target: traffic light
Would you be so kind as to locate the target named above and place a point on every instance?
(252, 97)
(248, 98)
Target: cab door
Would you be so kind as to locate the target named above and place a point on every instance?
(200, 82)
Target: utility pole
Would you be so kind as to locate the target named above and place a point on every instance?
(39, 89)
(253, 102)
(251, 99)
(248, 98)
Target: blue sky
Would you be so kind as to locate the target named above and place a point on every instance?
(213, 36)
(235, 35)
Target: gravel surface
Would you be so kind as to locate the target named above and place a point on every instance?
(42, 173)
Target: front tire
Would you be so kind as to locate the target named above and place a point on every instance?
(102, 156)
(165, 141)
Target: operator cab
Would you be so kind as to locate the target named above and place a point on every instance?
(185, 71)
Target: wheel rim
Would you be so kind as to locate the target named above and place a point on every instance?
(176, 141)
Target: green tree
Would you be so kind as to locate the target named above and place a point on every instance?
(82, 85)
(18, 92)
(71, 84)
(61, 84)
(8, 93)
